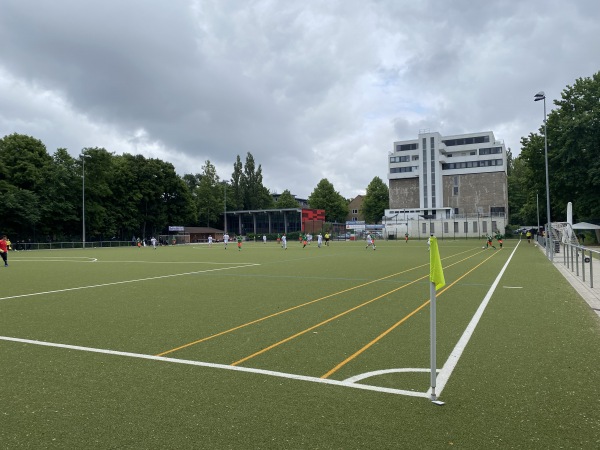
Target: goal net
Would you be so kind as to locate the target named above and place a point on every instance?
(174, 239)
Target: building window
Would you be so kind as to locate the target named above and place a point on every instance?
(355, 211)
(424, 228)
(484, 226)
(494, 225)
(456, 227)
(466, 227)
(446, 227)
(474, 227)
(432, 228)
(406, 147)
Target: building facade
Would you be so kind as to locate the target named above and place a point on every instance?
(458, 182)
(355, 209)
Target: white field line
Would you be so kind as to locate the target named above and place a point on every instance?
(115, 283)
(363, 376)
(77, 259)
(446, 371)
(221, 366)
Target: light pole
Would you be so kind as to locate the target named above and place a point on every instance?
(83, 156)
(549, 250)
(225, 207)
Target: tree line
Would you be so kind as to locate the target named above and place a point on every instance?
(128, 195)
(573, 140)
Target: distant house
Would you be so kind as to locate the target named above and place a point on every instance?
(355, 209)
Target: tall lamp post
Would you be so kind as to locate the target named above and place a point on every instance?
(549, 249)
(83, 156)
(225, 206)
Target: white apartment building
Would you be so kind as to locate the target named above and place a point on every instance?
(454, 185)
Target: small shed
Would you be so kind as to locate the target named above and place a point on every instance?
(201, 234)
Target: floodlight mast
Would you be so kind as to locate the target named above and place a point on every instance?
(549, 249)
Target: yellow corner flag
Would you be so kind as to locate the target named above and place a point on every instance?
(436, 274)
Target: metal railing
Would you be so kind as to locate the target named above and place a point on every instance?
(580, 260)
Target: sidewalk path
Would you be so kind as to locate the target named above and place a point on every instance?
(590, 295)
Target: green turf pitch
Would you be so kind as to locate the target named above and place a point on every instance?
(286, 319)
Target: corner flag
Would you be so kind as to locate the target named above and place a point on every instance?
(436, 274)
(436, 278)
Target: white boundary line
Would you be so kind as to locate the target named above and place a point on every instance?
(127, 281)
(446, 371)
(220, 366)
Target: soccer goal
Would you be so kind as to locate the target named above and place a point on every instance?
(174, 239)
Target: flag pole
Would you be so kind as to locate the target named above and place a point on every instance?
(432, 328)
(436, 281)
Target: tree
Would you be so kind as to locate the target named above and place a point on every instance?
(25, 184)
(573, 165)
(236, 200)
(256, 196)
(104, 211)
(61, 211)
(376, 201)
(574, 149)
(522, 194)
(324, 196)
(287, 200)
(209, 195)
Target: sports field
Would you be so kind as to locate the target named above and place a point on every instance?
(206, 347)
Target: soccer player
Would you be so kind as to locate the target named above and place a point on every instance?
(226, 240)
(239, 242)
(264, 239)
(327, 239)
(319, 240)
(406, 238)
(210, 240)
(284, 242)
(153, 240)
(4, 250)
(304, 240)
(369, 240)
(499, 238)
(489, 242)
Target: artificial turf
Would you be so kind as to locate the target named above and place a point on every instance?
(527, 378)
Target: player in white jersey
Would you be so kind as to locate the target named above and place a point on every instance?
(319, 240)
(284, 242)
(210, 241)
(226, 240)
(264, 239)
(153, 240)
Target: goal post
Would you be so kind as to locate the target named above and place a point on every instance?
(174, 239)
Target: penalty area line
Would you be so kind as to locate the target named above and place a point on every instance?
(115, 283)
(218, 366)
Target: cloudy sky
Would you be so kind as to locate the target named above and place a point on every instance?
(313, 89)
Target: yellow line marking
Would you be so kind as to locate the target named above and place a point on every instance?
(400, 322)
(270, 316)
(323, 323)
(279, 313)
(336, 317)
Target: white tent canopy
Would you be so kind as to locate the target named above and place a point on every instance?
(585, 226)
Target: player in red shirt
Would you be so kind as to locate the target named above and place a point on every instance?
(4, 250)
